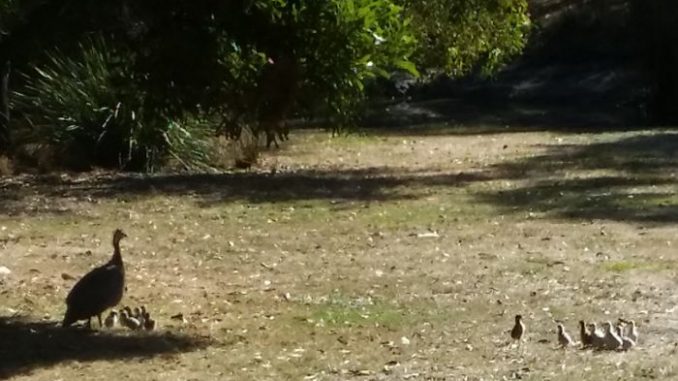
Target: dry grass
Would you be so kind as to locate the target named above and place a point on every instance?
(329, 270)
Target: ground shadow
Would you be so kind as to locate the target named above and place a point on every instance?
(628, 179)
(25, 345)
(476, 115)
(46, 194)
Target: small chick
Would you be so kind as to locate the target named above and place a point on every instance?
(632, 331)
(584, 335)
(518, 328)
(149, 324)
(563, 338)
(111, 319)
(129, 321)
(626, 342)
(137, 313)
(597, 338)
(612, 341)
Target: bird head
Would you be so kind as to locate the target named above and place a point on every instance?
(560, 328)
(519, 318)
(118, 235)
(620, 330)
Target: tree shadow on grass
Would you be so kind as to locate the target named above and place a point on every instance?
(631, 179)
(25, 345)
(48, 194)
(483, 115)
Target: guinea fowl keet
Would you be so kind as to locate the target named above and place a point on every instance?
(149, 324)
(597, 338)
(633, 331)
(585, 336)
(627, 343)
(518, 328)
(612, 341)
(98, 290)
(564, 339)
(111, 319)
(129, 321)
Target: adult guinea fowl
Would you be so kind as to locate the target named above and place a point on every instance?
(99, 289)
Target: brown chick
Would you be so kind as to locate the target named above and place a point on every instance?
(518, 328)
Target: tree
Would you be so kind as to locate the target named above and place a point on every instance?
(457, 36)
(657, 38)
(241, 63)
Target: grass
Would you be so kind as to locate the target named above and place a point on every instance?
(626, 266)
(339, 312)
(344, 283)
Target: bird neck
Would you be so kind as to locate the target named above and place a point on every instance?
(117, 258)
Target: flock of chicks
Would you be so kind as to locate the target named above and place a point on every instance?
(620, 338)
(136, 319)
(103, 288)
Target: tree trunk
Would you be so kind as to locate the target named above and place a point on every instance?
(5, 141)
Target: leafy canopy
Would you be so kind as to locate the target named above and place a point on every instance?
(236, 63)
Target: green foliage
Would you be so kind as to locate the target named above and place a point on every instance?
(457, 36)
(169, 66)
(350, 43)
(89, 109)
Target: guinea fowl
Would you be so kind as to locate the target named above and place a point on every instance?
(633, 331)
(112, 319)
(597, 338)
(586, 337)
(149, 324)
(129, 321)
(626, 342)
(564, 339)
(98, 290)
(518, 329)
(612, 341)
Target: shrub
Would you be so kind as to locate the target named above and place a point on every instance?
(89, 109)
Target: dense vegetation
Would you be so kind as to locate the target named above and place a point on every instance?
(657, 36)
(129, 84)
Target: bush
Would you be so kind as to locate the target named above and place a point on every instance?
(88, 108)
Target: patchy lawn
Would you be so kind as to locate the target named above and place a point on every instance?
(382, 255)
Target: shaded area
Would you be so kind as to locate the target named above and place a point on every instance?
(29, 345)
(590, 96)
(579, 72)
(51, 194)
(487, 115)
(629, 179)
(621, 176)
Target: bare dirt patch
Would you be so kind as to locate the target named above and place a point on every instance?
(374, 256)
